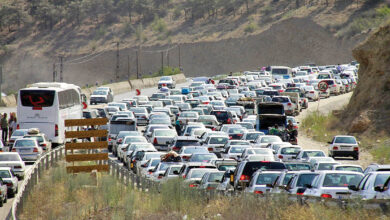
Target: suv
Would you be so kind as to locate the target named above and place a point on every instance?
(245, 170)
(344, 146)
(40, 137)
(181, 141)
(223, 116)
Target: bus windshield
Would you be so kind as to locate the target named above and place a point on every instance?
(37, 98)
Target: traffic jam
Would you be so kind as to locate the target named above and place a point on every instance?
(237, 133)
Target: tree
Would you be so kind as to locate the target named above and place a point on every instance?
(74, 12)
(10, 15)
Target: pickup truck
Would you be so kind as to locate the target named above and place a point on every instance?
(295, 99)
(270, 114)
(120, 124)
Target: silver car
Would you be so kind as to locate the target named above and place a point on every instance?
(28, 149)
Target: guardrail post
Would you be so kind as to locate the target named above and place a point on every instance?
(132, 180)
(142, 184)
(47, 161)
(117, 171)
(56, 155)
(123, 176)
(127, 177)
(52, 158)
(138, 182)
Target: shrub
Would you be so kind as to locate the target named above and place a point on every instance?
(250, 28)
(159, 25)
(176, 13)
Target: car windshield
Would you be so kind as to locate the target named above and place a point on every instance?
(280, 99)
(236, 150)
(287, 178)
(266, 178)
(138, 110)
(345, 140)
(298, 166)
(270, 139)
(381, 179)
(100, 92)
(129, 140)
(164, 133)
(198, 173)
(188, 115)
(187, 143)
(24, 143)
(304, 179)
(226, 167)
(350, 168)
(155, 163)
(236, 130)
(341, 179)
(5, 174)
(215, 177)
(18, 133)
(313, 154)
(325, 166)
(202, 157)
(195, 150)
(290, 150)
(218, 140)
(252, 136)
(9, 157)
(157, 121)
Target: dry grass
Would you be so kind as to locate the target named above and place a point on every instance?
(64, 196)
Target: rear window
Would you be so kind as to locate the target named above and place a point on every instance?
(348, 168)
(5, 174)
(18, 133)
(221, 115)
(9, 157)
(290, 150)
(38, 138)
(279, 71)
(266, 178)
(280, 99)
(214, 177)
(37, 98)
(198, 173)
(345, 140)
(236, 150)
(165, 133)
(24, 143)
(381, 179)
(182, 143)
(173, 169)
(325, 166)
(304, 179)
(287, 178)
(341, 180)
(299, 166)
(252, 167)
(195, 150)
(252, 136)
(218, 140)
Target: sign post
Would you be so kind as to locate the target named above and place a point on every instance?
(322, 86)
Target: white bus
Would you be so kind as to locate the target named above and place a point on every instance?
(281, 72)
(46, 105)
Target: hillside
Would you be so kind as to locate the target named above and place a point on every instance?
(369, 108)
(34, 33)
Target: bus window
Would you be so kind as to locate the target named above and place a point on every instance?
(37, 98)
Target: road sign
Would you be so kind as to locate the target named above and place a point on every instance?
(85, 106)
(138, 92)
(323, 86)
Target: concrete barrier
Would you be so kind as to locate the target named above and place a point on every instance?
(120, 87)
(148, 82)
(9, 100)
(137, 84)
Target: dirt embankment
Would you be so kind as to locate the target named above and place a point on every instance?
(369, 108)
(291, 42)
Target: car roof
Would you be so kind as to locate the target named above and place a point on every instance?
(191, 138)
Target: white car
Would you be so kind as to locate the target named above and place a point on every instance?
(216, 143)
(311, 93)
(333, 184)
(287, 153)
(306, 154)
(234, 151)
(188, 116)
(161, 138)
(147, 168)
(263, 141)
(166, 81)
(343, 145)
(374, 185)
(28, 149)
(348, 167)
(195, 175)
(13, 161)
(299, 181)
(10, 180)
(262, 181)
(127, 141)
(265, 153)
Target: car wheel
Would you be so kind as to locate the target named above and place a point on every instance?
(356, 157)
(1, 203)
(5, 199)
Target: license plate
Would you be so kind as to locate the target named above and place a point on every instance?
(131, 165)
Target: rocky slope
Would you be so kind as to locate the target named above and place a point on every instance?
(369, 108)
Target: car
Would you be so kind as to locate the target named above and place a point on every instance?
(376, 167)
(263, 141)
(251, 136)
(40, 137)
(166, 81)
(141, 99)
(188, 116)
(333, 184)
(245, 170)
(3, 192)
(287, 153)
(16, 135)
(372, 186)
(100, 96)
(236, 133)
(266, 154)
(159, 171)
(262, 182)
(28, 149)
(150, 128)
(311, 93)
(343, 145)
(132, 149)
(211, 180)
(139, 155)
(181, 141)
(124, 146)
(13, 161)
(289, 106)
(171, 172)
(118, 140)
(142, 115)
(209, 121)
(202, 157)
(282, 181)
(216, 143)
(223, 116)
(195, 175)
(186, 152)
(144, 157)
(190, 126)
(299, 181)
(10, 180)
(247, 125)
(146, 168)
(161, 138)
(306, 154)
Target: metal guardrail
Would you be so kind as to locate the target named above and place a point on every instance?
(32, 178)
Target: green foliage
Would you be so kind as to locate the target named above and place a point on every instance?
(383, 11)
(176, 13)
(159, 25)
(139, 33)
(317, 126)
(250, 28)
(128, 28)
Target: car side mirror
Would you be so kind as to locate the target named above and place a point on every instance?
(161, 174)
(329, 142)
(176, 172)
(354, 188)
(273, 151)
(269, 185)
(197, 181)
(377, 189)
(308, 186)
(144, 165)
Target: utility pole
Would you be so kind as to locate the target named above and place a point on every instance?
(1, 82)
(136, 57)
(140, 61)
(168, 58)
(162, 62)
(179, 58)
(54, 72)
(61, 68)
(117, 62)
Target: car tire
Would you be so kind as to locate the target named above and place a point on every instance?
(5, 200)
(356, 157)
(1, 203)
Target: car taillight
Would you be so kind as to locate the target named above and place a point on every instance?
(186, 157)
(150, 172)
(10, 184)
(214, 129)
(109, 139)
(258, 192)
(326, 196)
(346, 85)
(193, 185)
(280, 157)
(35, 150)
(299, 194)
(144, 117)
(184, 176)
(210, 188)
(229, 121)
(334, 86)
(355, 149)
(289, 104)
(244, 177)
(210, 149)
(14, 150)
(175, 149)
(56, 130)
(43, 145)
(17, 126)
(120, 141)
(296, 127)
(335, 148)
(155, 141)
(312, 92)
(159, 177)
(230, 137)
